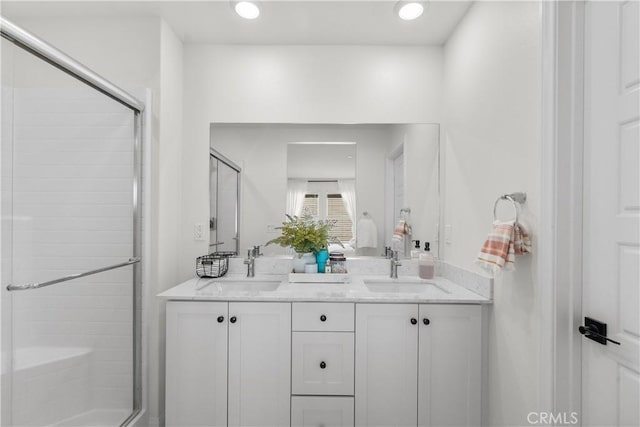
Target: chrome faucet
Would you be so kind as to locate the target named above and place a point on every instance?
(252, 254)
(394, 265)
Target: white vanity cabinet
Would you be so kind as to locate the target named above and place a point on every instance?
(248, 378)
(449, 365)
(386, 382)
(322, 364)
(418, 365)
(321, 411)
(196, 360)
(308, 364)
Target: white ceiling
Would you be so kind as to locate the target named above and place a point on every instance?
(281, 22)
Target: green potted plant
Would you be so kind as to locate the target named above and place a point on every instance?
(307, 236)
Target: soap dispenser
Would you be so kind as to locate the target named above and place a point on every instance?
(415, 252)
(427, 263)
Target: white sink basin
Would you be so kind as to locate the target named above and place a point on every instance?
(402, 285)
(240, 286)
(248, 286)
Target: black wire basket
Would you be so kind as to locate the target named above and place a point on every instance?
(214, 265)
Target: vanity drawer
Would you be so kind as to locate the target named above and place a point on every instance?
(322, 363)
(323, 316)
(313, 411)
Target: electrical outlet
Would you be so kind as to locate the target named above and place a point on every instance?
(198, 231)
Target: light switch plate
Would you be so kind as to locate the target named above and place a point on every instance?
(448, 234)
(198, 231)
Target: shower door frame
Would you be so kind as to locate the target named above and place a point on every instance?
(213, 153)
(70, 66)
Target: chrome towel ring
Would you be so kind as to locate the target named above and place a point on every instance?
(514, 198)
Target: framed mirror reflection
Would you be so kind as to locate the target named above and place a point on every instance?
(360, 175)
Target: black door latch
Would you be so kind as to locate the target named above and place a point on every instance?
(596, 331)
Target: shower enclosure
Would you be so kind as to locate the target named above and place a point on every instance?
(70, 241)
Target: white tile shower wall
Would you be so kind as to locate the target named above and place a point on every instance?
(72, 192)
(55, 380)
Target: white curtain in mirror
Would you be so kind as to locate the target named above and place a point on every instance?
(297, 188)
(348, 192)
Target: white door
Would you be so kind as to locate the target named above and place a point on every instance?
(386, 365)
(449, 366)
(196, 365)
(259, 364)
(610, 373)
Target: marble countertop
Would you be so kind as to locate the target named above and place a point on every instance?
(357, 288)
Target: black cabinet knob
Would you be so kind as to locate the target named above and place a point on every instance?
(323, 365)
(414, 321)
(233, 319)
(323, 318)
(426, 321)
(220, 319)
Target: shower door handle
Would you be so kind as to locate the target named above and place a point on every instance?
(71, 276)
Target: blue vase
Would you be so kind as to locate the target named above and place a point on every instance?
(321, 259)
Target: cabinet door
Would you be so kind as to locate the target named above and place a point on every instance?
(449, 377)
(386, 365)
(196, 365)
(259, 364)
(321, 411)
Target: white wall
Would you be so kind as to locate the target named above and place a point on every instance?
(321, 161)
(123, 50)
(167, 190)
(492, 142)
(295, 84)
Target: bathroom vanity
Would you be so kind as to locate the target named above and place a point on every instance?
(371, 352)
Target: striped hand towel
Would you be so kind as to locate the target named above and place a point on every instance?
(521, 240)
(505, 240)
(398, 234)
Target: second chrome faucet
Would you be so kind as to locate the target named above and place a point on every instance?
(394, 264)
(252, 254)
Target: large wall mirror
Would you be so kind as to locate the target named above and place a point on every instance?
(361, 175)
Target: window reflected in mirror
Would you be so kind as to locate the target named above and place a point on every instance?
(321, 183)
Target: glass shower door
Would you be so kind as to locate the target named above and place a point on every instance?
(67, 209)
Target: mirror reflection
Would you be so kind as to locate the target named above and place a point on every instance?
(321, 183)
(362, 175)
(224, 190)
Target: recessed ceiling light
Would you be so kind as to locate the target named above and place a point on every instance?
(409, 10)
(247, 9)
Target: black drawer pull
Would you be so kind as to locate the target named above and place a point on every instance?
(323, 318)
(220, 319)
(233, 319)
(323, 365)
(414, 321)
(426, 321)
